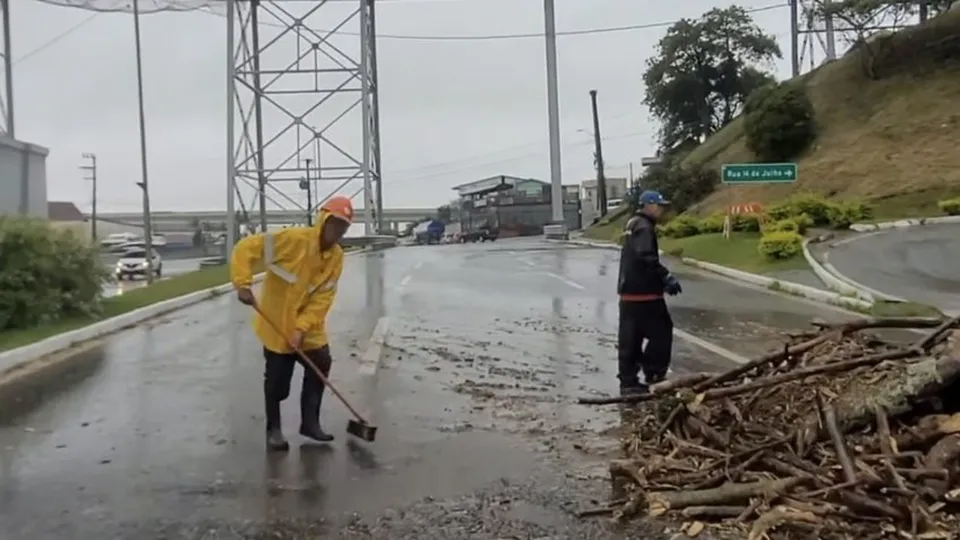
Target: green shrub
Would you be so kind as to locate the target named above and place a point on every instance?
(803, 221)
(745, 222)
(784, 225)
(950, 207)
(46, 274)
(681, 226)
(712, 224)
(819, 212)
(780, 245)
(780, 125)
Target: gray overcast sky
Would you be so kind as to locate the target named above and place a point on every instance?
(451, 111)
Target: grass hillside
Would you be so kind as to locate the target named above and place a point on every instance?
(891, 139)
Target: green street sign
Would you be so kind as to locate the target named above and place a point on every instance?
(758, 173)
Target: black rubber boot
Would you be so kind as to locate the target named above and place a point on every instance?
(310, 418)
(275, 439)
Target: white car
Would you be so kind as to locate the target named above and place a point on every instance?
(115, 240)
(134, 263)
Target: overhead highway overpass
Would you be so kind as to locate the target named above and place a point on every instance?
(176, 221)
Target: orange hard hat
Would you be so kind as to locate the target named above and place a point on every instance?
(339, 207)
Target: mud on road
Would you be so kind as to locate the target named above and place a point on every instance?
(478, 356)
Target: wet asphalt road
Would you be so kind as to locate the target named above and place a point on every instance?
(916, 263)
(469, 357)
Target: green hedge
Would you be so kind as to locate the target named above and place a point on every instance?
(779, 245)
(46, 274)
(797, 213)
(950, 207)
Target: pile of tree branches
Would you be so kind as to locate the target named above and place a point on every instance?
(838, 435)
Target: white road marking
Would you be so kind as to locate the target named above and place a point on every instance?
(403, 282)
(573, 284)
(418, 265)
(370, 359)
(712, 347)
(528, 262)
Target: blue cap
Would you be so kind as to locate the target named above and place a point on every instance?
(653, 197)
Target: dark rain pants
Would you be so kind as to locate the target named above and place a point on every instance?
(648, 320)
(277, 375)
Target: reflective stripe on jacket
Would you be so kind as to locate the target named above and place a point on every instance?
(300, 284)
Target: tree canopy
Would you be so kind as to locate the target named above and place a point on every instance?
(703, 72)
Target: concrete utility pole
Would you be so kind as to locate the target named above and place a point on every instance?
(598, 149)
(553, 114)
(8, 69)
(795, 38)
(92, 171)
(147, 225)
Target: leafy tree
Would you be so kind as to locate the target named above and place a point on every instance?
(779, 122)
(703, 72)
(683, 186)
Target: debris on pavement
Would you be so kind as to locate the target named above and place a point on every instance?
(840, 434)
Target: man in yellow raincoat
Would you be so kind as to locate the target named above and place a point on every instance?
(303, 265)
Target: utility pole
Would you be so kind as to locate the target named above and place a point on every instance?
(553, 114)
(795, 37)
(8, 69)
(92, 171)
(147, 225)
(233, 228)
(305, 185)
(598, 148)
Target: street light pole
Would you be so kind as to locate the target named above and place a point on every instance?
(147, 225)
(553, 114)
(92, 169)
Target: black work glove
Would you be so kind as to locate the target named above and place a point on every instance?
(672, 286)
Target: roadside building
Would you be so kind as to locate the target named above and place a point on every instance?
(616, 191)
(513, 205)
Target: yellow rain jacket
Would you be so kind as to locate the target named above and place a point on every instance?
(300, 283)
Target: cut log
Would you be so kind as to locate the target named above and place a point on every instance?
(943, 455)
(725, 495)
(713, 511)
(807, 372)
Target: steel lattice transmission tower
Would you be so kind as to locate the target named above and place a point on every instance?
(299, 75)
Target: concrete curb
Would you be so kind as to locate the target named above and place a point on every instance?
(811, 293)
(834, 282)
(19, 357)
(903, 223)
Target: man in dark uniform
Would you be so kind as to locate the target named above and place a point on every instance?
(643, 311)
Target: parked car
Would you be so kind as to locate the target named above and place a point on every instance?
(133, 263)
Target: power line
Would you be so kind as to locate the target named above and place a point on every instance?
(56, 39)
(530, 35)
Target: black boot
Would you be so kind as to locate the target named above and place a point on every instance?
(275, 439)
(310, 417)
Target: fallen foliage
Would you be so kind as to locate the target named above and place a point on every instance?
(838, 435)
